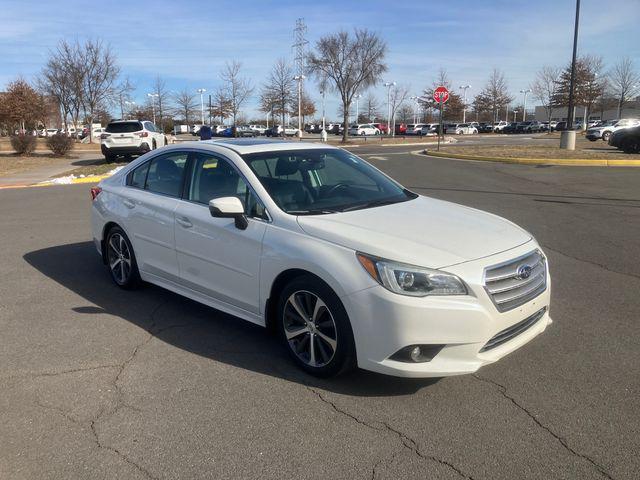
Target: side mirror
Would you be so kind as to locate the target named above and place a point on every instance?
(229, 207)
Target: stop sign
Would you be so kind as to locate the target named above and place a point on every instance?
(441, 94)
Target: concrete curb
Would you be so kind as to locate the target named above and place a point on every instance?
(538, 161)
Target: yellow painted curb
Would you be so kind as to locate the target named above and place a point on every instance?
(51, 183)
(541, 161)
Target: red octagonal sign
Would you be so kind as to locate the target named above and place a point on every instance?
(441, 94)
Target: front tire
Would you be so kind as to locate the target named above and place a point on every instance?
(605, 136)
(314, 328)
(121, 260)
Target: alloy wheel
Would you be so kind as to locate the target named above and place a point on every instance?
(310, 329)
(119, 257)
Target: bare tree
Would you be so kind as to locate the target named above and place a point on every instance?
(371, 106)
(494, 97)
(397, 96)
(220, 104)
(99, 81)
(351, 63)
(279, 89)
(124, 90)
(544, 88)
(624, 81)
(63, 79)
(237, 88)
(162, 99)
(185, 104)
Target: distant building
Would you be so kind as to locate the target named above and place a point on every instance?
(630, 110)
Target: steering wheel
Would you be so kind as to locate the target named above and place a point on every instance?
(335, 188)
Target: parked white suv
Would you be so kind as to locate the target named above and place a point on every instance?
(363, 129)
(130, 137)
(499, 127)
(347, 265)
(461, 129)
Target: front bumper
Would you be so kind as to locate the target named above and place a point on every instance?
(384, 322)
(594, 135)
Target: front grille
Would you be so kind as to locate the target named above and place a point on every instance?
(514, 283)
(513, 331)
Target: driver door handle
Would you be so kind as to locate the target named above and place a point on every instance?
(184, 222)
(128, 203)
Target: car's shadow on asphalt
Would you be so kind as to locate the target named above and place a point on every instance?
(194, 327)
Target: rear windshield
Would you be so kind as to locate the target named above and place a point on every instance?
(124, 127)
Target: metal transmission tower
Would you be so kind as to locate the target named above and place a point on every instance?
(300, 44)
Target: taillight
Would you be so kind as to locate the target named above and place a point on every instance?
(143, 134)
(104, 136)
(95, 191)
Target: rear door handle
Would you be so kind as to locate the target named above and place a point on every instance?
(128, 203)
(184, 222)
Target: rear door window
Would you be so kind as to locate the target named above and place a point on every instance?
(166, 173)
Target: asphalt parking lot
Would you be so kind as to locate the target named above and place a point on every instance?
(97, 382)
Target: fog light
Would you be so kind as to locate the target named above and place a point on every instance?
(417, 353)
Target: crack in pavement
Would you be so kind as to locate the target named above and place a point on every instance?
(119, 403)
(387, 461)
(590, 262)
(406, 441)
(61, 372)
(503, 391)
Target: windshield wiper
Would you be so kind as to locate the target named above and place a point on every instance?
(317, 211)
(373, 203)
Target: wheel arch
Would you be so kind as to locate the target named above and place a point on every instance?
(105, 231)
(279, 283)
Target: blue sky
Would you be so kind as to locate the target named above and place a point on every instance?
(187, 42)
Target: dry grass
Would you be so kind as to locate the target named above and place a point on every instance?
(584, 150)
(10, 163)
(100, 167)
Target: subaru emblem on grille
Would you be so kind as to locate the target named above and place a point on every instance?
(524, 271)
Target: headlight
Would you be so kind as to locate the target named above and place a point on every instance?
(411, 280)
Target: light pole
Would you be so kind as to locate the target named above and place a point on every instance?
(357, 96)
(464, 88)
(153, 97)
(299, 79)
(390, 128)
(524, 105)
(515, 113)
(201, 92)
(323, 120)
(415, 109)
(129, 105)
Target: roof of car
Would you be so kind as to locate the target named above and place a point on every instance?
(255, 145)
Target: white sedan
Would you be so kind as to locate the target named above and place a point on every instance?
(348, 266)
(363, 129)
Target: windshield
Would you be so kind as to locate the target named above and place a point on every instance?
(319, 181)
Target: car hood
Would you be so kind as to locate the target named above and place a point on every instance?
(423, 231)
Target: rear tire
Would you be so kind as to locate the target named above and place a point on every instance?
(317, 336)
(605, 136)
(121, 260)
